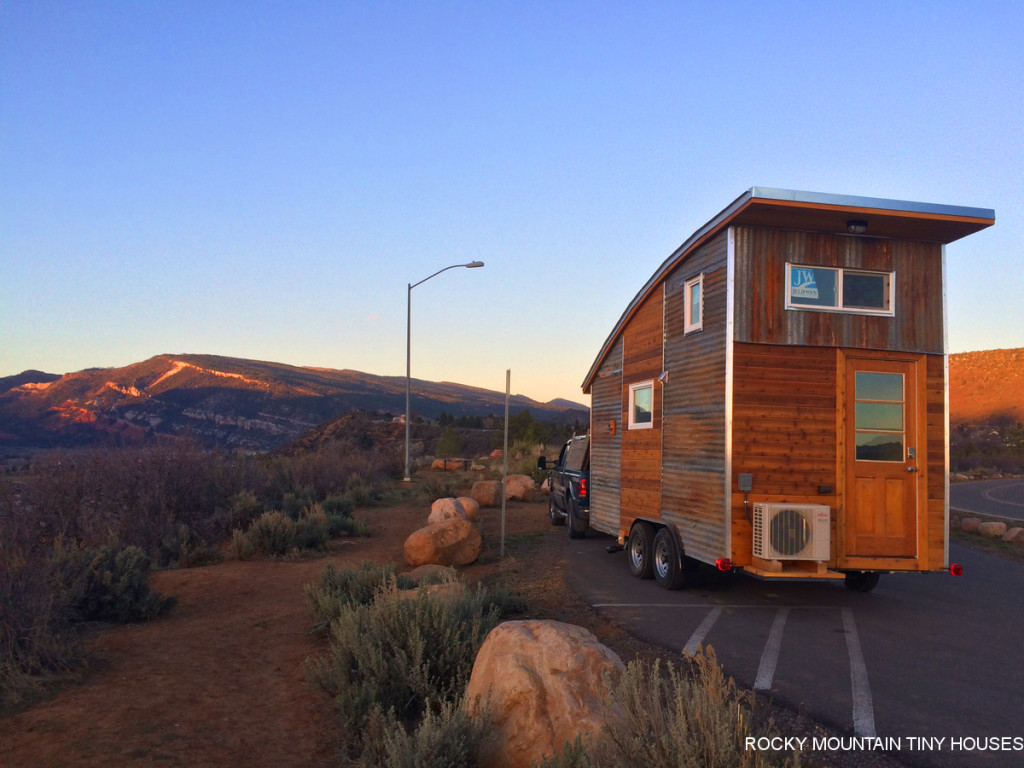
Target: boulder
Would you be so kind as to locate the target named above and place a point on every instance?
(992, 530)
(471, 507)
(448, 592)
(520, 487)
(1012, 534)
(542, 683)
(445, 509)
(431, 573)
(455, 541)
(970, 524)
(448, 464)
(487, 493)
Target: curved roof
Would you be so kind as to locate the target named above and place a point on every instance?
(816, 212)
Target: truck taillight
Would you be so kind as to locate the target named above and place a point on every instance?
(583, 486)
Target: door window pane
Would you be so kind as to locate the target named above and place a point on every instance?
(879, 386)
(879, 417)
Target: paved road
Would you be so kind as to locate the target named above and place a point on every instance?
(1004, 498)
(924, 655)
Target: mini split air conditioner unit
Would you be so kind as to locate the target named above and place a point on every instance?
(791, 531)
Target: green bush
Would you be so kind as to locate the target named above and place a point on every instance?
(272, 533)
(447, 738)
(351, 586)
(110, 584)
(402, 656)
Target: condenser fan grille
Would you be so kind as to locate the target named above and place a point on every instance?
(789, 532)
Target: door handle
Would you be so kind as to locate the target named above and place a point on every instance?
(911, 469)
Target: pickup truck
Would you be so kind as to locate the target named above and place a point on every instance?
(569, 476)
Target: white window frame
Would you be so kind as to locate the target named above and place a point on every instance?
(692, 324)
(633, 388)
(889, 286)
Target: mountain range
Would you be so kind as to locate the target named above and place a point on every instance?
(227, 402)
(259, 406)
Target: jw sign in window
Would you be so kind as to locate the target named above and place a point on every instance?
(839, 289)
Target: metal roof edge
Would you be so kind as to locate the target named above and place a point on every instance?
(879, 203)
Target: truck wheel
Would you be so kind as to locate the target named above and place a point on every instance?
(640, 546)
(859, 581)
(577, 527)
(553, 513)
(668, 570)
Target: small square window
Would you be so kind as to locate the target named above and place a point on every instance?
(641, 405)
(693, 304)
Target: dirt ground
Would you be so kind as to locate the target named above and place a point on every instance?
(219, 680)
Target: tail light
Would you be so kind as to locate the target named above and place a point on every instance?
(583, 486)
(956, 569)
(723, 564)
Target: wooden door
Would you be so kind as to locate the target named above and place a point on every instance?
(883, 446)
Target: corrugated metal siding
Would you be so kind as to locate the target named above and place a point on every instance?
(606, 447)
(693, 455)
(761, 316)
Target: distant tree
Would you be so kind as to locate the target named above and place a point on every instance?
(448, 444)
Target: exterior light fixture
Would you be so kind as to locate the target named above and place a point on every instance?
(856, 226)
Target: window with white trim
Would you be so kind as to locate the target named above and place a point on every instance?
(641, 405)
(839, 289)
(693, 304)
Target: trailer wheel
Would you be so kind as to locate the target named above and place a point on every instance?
(668, 570)
(577, 527)
(640, 548)
(556, 518)
(859, 581)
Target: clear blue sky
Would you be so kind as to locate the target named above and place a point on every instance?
(263, 179)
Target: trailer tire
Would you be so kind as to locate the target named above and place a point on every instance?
(577, 527)
(640, 548)
(553, 514)
(668, 565)
(861, 581)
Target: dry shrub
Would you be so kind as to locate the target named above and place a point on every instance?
(662, 716)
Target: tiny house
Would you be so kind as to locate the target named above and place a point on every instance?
(775, 398)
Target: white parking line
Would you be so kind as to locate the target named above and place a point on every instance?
(770, 657)
(698, 635)
(863, 709)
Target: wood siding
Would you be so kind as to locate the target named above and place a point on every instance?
(694, 457)
(606, 443)
(643, 339)
(761, 316)
(784, 431)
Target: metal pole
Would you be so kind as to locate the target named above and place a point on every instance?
(504, 462)
(408, 378)
(408, 357)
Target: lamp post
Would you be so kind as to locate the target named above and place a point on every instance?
(408, 356)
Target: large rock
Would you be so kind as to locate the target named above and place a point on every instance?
(1012, 534)
(449, 464)
(471, 507)
(487, 493)
(445, 509)
(520, 487)
(992, 530)
(544, 683)
(970, 524)
(452, 542)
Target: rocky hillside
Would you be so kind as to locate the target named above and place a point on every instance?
(986, 386)
(223, 401)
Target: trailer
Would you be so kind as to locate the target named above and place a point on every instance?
(775, 399)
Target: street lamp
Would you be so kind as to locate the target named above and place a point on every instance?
(408, 356)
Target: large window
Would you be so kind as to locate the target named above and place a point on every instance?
(879, 424)
(839, 289)
(641, 405)
(693, 304)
